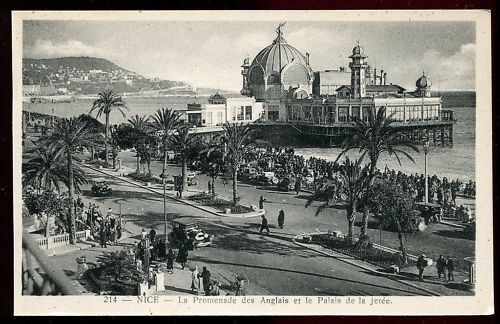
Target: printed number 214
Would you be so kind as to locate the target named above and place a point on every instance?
(110, 299)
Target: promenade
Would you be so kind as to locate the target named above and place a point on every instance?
(274, 263)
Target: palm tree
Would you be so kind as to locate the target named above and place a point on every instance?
(185, 145)
(107, 102)
(140, 126)
(68, 137)
(42, 171)
(349, 189)
(237, 140)
(165, 121)
(373, 137)
(376, 136)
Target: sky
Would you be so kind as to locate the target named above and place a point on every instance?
(210, 54)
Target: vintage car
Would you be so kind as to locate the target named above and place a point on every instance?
(286, 184)
(100, 188)
(429, 211)
(191, 179)
(186, 231)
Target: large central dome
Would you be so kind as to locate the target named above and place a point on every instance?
(278, 68)
(276, 56)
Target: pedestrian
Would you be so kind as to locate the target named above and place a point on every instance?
(160, 247)
(281, 218)
(441, 266)
(224, 181)
(143, 234)
(152, 236)
(205, 275)
(102, 235)
(261, 202)
(298, 186)
(170, 261)
(450, 266)
(195, 280)
(264, 225)
(421, 264)
(182, 255)
(209, 187)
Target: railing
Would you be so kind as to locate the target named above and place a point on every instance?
(447, 115)
(62, 239)
(39, 275)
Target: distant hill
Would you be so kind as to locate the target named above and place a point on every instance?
(90, 75)
(83, 63)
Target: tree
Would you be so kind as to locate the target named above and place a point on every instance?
(238, 143)
(68, 137)
(393, 208)
(186, 145)
(95, 127)
(119, 266)
(140, 126)
(349, 189)
(373, 137)
(43, 170)
(107, 102)
(376, 136)
(165, 121)
(49, 204)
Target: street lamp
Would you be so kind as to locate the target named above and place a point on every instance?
(164, 179)
(426, 150)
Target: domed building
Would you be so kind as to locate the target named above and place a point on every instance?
(423, 86)
(277, 72)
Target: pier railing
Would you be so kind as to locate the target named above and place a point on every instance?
(40, 276)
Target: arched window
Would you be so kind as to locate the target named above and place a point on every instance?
(273, 79)
(256, 76)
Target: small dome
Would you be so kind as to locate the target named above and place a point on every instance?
(423, 82)
(358, 50)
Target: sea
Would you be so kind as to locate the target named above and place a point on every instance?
(457, 162)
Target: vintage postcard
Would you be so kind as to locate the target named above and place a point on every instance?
(252, 162)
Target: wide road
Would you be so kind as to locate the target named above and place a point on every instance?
(275, 265)
(436, 239)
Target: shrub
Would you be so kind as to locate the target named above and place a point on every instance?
(219, 203)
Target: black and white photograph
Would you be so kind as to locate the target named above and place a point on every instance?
(252, 162)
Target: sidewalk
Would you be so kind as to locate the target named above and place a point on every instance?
(431, 284)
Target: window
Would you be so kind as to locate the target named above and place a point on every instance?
(355, 113)
(248, 112)
(209, 117)
(220, 117)
(343, 114)
(367, 110)
(240, 113)
(307, 112)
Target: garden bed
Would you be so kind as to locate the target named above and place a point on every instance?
(219, 203)
(366, 252)
(144, 177)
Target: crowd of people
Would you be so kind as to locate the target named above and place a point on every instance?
(107, 228)
(154, 249)
(285, 163)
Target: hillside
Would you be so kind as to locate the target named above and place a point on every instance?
(83, 63)
(90, 75)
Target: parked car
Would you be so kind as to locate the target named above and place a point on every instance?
(185, 231)
(286, 184)
(191, 179)
(100, 188)
(429, 211)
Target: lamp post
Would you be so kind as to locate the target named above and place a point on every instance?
(164, 179)
(426, 150)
